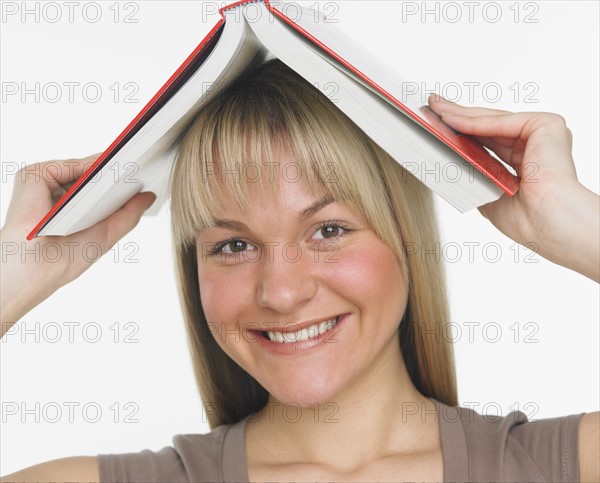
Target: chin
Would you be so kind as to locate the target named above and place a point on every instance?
(307, 391)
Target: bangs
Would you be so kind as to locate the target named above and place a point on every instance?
(272, 126)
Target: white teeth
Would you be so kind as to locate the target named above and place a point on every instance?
(303, 334)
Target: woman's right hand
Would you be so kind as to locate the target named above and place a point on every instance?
(31, 270)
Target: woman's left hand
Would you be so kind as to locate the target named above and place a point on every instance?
(552, 209)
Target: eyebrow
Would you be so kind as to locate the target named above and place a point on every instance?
(304, 215)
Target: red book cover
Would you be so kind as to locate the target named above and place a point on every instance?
(468, 148)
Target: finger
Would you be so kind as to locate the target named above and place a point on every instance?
(502, 147)
(56, 175)
(517, 125)
(492, 209)
(38, 186)
(66, 172)
(541, 139)
(440, 105)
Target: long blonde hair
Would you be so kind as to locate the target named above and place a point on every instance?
(271, 107)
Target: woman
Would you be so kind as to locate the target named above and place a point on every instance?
(304, 309)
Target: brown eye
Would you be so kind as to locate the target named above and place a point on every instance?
(330, 231)
(237, 246)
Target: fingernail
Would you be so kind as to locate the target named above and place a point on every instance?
(438, 98)
(151, 201)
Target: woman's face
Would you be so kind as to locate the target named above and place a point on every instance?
(293, 261)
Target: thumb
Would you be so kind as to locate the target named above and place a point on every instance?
(484, 210)
(110, 230)
(492, 210)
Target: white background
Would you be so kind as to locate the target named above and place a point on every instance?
(555, 374)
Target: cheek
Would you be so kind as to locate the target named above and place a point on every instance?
(373, 276)
(221, 293)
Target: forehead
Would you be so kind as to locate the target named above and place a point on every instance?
(276, 178)
(287, 196)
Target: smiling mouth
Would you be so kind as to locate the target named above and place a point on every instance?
(311, 332)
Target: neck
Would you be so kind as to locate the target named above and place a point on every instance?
(380, 413)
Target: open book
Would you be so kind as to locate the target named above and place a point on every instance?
(452, 165)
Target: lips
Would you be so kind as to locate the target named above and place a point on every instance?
(295, 326)
(329, 339)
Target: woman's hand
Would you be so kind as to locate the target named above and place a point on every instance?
(551, 209)
(33, 270)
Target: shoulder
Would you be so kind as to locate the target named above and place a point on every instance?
(511, 447)
(589, 447)
(76, 468)
(192, 457)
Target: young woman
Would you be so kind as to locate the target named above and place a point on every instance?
(298, 293)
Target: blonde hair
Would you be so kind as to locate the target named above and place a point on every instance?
(270, 108)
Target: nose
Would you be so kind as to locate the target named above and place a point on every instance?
(286, 281)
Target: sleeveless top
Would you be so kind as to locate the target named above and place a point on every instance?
(474, 447)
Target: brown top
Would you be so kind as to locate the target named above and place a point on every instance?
(474, 447)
